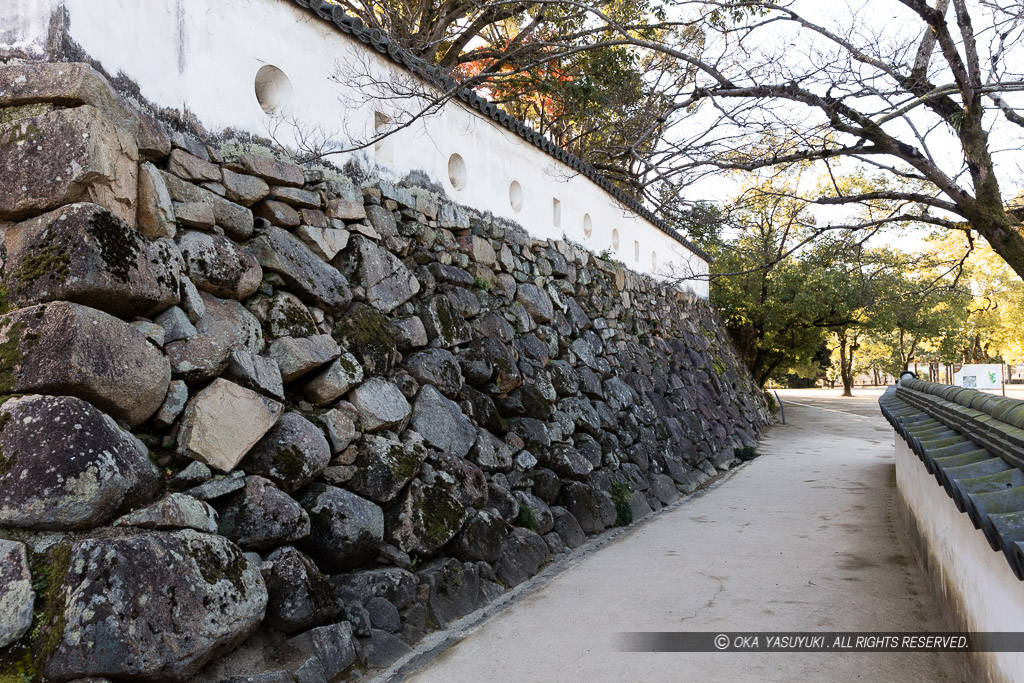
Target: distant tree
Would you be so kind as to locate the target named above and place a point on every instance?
(779, 296)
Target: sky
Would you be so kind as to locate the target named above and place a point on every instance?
(886, 24)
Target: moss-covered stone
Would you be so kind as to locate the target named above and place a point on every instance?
(118, 244)
(50, 259)
(622, 493)
(11, 352)
(214, 568)
(366, 334)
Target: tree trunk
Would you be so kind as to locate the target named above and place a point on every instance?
(846, 365)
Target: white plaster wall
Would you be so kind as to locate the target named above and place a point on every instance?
(203, 56)
(25, 26)
(992, 597)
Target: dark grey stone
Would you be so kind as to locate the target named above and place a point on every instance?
(454, 589)
(381, 649)
(310, 278)
(300, 596)
(383, 614)
(481, 537)
(384, 466)
(291, 454)
(386, 281)
(523, 553)
(260, 516)
(333, 645)
(501, 499)
(545, 522)
(569, 463)
(138, 607)
(437, 367)
(59, 478)
(567, 528)
(444, 323)
(490, 453)
(255, 372)
(591, 507)
(399, 586)
(442, 423)
(217, 265)
(346, 530)
(426, 519)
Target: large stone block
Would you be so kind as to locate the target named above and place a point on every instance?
(291, 454)
(346, 529)
(71, 84)
(66, 156)
(313, 280)
(85, 254)
(218, 266)
(65, 465)
(66, 349)
(223, 421)
(426, 519)
(442, 423)
(388, 283)
(155, 606)
(384, 466)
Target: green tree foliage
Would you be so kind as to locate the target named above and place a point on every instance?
(788, 288)
(778, 295)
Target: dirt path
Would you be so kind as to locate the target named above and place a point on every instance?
(803, 538)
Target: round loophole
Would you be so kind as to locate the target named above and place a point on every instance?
(457, 171)
(273, 90)
(588, 225)
(515, 195)
(615, 240)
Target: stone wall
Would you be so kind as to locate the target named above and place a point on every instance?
(251, 403)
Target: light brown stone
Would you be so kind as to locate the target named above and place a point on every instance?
(65, 156)
(223, 421)
(65, 349)
(155, 210)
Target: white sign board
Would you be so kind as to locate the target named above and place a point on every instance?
(988, 376)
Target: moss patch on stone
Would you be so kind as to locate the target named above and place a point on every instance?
(213, 567)
(366, 333)
(622, 493)
(49, 258)
(441, 515)
(527, 518)
(405, 465)
(289, 464)
(11, 353)
(21, 661)
(447, 322)
(24, 111)
(118, 244)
